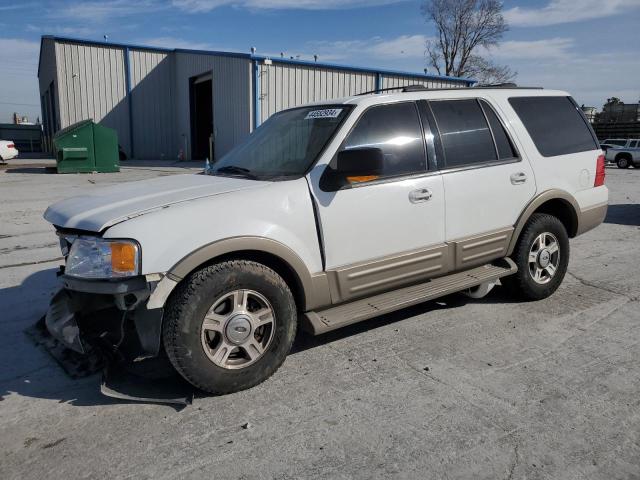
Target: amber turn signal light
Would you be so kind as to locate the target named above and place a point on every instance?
(123, 257)
(362, 178)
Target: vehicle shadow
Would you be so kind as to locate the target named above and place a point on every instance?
(623, 214)
(306, 341)
(28, 370)
(35, 169)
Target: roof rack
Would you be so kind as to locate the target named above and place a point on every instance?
(422, 88)
(496, 85)
(505, 85)
(408, 88)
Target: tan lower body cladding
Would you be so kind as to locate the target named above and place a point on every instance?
(363, 279)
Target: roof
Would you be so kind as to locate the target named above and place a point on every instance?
(442, 93)
(248, 56)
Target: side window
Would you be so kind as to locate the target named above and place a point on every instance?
(466, 138)
(395, 129)
(555, 125)
(633, 144)
(503, 143)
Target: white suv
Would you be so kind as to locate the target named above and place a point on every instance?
(327, 215)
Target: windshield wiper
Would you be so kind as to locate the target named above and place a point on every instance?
(235, 170)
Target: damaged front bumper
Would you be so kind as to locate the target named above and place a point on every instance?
(107, 314)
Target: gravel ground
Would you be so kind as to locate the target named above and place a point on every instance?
(449, 389)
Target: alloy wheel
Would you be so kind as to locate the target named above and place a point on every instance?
(238, 329)
(544, 258)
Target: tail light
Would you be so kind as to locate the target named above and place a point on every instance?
(11, 145)
(600, 172)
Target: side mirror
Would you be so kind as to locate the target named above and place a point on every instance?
(360, 164)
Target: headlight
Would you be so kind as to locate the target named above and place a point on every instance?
(101, 258)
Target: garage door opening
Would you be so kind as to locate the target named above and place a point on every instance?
(201, 95)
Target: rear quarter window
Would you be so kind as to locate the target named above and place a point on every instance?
(555, 125)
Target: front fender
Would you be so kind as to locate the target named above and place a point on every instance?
(315, 286)
(277, 218)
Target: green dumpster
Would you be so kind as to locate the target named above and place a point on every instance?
(86, 147)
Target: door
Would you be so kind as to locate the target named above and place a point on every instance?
(201, 117)
(487, 183)
(383, 233)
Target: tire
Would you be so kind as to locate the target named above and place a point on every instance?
(523, 284)
(207, 352)
(623, 162)
(480, 291)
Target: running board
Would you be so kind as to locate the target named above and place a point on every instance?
(366, 308)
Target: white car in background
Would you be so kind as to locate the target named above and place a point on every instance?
(7, 150)
(626, 156)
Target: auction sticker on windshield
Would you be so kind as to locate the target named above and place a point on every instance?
(326, 113)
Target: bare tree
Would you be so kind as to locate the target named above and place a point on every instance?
(465, 30)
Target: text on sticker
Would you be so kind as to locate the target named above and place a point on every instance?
(326, 113)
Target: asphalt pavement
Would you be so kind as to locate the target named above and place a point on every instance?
(455, 388)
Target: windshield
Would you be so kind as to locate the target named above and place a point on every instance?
(286, 145)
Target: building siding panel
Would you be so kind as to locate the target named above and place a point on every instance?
(152, 100)
(90, 81)
(231, 98)
(285, 86)
(49, 97)
(91, 84)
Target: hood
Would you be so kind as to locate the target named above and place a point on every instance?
(110, 205)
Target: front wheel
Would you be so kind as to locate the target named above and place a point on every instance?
(542, 257)
(229, 326)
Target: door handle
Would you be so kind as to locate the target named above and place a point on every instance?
(420, 195)
(518, 178)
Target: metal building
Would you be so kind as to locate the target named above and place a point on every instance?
(164, 101)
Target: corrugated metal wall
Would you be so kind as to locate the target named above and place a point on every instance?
(48, 92)
(152, 100)
(392, 81)
(91, 84)
(231, 97)
(288, 85)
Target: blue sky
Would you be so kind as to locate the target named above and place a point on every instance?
(589, 47)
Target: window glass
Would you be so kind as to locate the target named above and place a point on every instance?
(633, 144)
(285, 145)
(395, 129)
(555, 125)
(505, 147)
(620, 143)
(465, 135)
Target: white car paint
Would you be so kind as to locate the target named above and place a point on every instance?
(359, 224)
(280, 211)
(110, 205)
(571, 173)
(174, 216)
(8, 150)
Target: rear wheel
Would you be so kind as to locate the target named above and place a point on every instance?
(229, 326)
(542, 257)
(623, 162)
